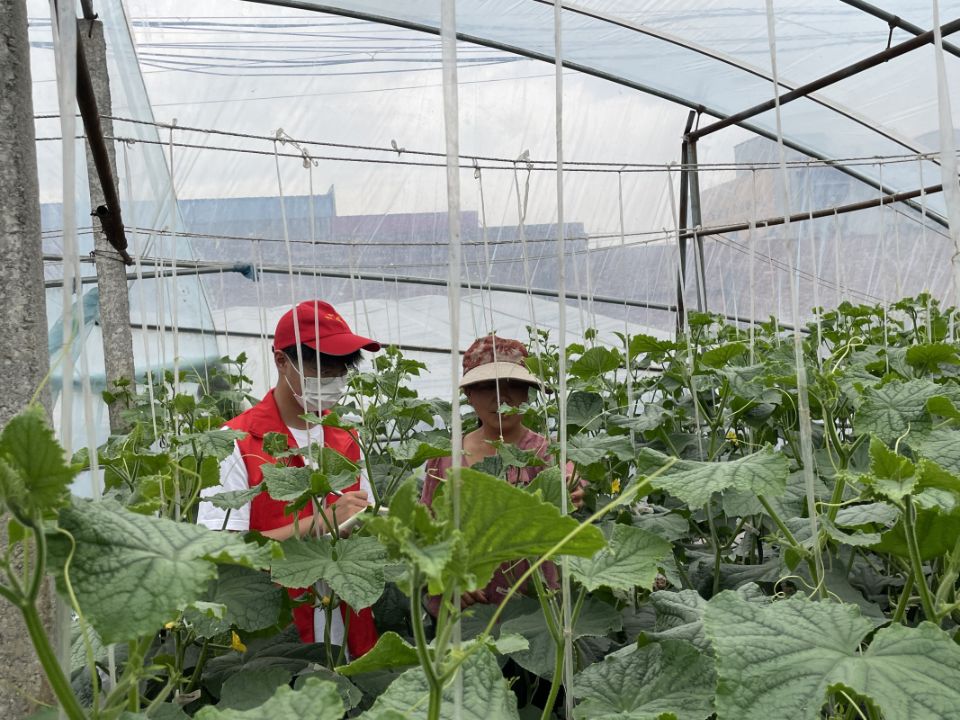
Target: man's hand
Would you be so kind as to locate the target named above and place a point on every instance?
(346, 506)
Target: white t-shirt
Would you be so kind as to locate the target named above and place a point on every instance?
(233, 476)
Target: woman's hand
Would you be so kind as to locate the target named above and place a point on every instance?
(472, 598)
(576, 496)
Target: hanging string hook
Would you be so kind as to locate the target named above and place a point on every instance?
(282, 137)
(400, 150)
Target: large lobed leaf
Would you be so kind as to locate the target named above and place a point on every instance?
(132, 573)
(353, 567)
(501, 523)
(680, 615)
(250, 600)
(316, 699)
(782, 659)
(34, 474)
(668, 680)
(631, 559)
(485, 694)
(762, 473)
(390, 652)
(889, 410)
(597, 619)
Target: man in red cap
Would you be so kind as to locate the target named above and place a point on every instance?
(314, 349)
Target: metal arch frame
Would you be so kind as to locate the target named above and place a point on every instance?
(320, 7)
(895, 21)
(727, 60)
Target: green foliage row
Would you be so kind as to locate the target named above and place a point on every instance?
(713, 573)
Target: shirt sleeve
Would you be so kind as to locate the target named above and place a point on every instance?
(233, 476)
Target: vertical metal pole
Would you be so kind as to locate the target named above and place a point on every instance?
(111, 270)
(24, 357)
(693, 177)
(682, 221)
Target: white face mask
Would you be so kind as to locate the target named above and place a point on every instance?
(328, 390)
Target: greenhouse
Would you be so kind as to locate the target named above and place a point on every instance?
(479, 359)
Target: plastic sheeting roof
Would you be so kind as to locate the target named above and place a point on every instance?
(714, 55)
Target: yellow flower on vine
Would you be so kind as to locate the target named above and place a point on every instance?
(325, 601)
(615, 486)
(236, 643)
(732, 437)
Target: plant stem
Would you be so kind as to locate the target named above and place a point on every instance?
(948, 580)
(555, 683)
(904, 600)
(201, 661)
(48, 660)
(715, 542)
(910, 530)
(811, 565)
(416, 618)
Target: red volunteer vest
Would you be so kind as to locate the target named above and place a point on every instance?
(268, 514)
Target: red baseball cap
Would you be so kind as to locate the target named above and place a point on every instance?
(321, 328)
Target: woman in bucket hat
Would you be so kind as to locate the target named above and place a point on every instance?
(494, 374)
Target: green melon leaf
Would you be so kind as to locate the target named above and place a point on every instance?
(782, 660)
(631, 559)
(942, 446)
(252, 688)
(597, 619)
(584, 409)
(667, 680)
(927, 357)
(35, 476)
(290, 483)
(316, 699)
(216, 443)
(595, 362)
(680, 615)
(505, 523)
(252, 601)
(889, 410)
(762, 473)
(353, 567)
(132, 573)
(721, 355)
(235, 499)
(485, 694)
(390, 652)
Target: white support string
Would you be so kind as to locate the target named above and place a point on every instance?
(752, 264)
(64, 31)
(140, 288)
(175, 299)
(837, 259)
(522, 232)
(280, 134)
(880, 252)
(803, 401)
(264, 335)
(64, 28)
(815, 269)
(226, 325)
(478, 174)
(562, 368)
(451, 122)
